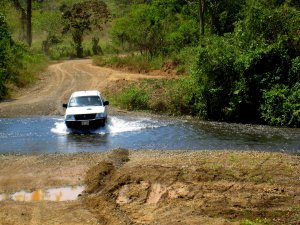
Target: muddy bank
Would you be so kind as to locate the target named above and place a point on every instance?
(155, 187)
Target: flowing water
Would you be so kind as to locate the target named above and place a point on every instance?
(49, 135)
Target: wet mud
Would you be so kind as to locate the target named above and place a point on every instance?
(155, 187)
(196, 188)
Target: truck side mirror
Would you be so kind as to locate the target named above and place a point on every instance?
(106, 103)
(65, 105)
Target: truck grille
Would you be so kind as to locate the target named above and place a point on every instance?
(85, 117)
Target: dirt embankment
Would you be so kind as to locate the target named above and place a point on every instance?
(156, 187)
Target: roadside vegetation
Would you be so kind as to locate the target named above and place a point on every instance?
(236, 61)
(239, 59)
(18, 65)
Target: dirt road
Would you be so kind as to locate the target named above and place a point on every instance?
(57, 83)
(141, 187)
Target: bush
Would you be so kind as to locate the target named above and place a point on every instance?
(238, 85)
(171, 96)
(137, 63)
(185, 59)
(258, 70)
(281, 106)
(6, 55)
(133, 98)
(215, 73)
(17, 65)
(175, 97)
(61, 50)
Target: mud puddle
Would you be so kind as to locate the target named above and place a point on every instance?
(52, 194)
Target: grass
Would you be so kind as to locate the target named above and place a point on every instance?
(32, 66)
(133, 98)
(26, 72)
(132, 62)
(168, 96)
(256, 222)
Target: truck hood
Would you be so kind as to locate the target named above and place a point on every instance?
(85, 110)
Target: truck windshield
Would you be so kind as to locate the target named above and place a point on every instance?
(85, 101)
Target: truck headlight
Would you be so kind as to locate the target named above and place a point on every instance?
(100, 115)
(70, 117)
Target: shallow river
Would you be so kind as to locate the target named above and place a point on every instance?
(49, 135)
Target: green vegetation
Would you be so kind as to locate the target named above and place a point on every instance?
(257, 222)
(239, 60)
(83, 17)
(132, 62)
(17, 66)
(243, 67)
(174, 97)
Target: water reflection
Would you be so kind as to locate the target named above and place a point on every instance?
(53, 194)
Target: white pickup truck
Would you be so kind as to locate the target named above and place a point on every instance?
(86, 110)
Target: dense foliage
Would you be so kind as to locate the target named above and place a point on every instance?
(253, 75)
(246, 67)
(5, 54)
(156, 28)
(17, 63)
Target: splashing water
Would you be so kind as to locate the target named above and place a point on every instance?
(114, 125)
(119, 125)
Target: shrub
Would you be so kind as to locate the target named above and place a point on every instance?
(215, 74)
(6, 55)
(281, 106)
(133, 98)
(137, 63)
(17, 65)
(258, 70)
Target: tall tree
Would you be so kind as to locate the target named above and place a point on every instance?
(29, 25)
(26, 25)
(219, 15)
(23, 18)
(82, 17)
(201, 9)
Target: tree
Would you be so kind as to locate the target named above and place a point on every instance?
(158, 28)
(142, 29)
(218, 15)
(51, 23)
(29, 26)
(82, 17)
(201, 8)
(5, 43)
(25, 19)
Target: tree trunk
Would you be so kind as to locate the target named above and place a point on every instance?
(77, 39)
(29, 25)
(22, 18)
(201, 8)
(214, 15)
